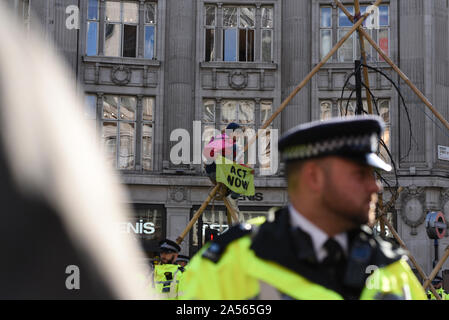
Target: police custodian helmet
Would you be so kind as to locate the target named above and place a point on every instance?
(168, 245)
(354, 137)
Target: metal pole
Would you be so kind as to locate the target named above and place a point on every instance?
(363, 54)
(358, 87)
(435, 246)
(435, 271)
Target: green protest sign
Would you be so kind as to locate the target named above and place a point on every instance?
(236, 177)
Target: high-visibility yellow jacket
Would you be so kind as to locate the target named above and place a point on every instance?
(249, 262)
(166, 280)
(443, 294)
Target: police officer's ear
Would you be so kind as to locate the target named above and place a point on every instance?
(313, 173)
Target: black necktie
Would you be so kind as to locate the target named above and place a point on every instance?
(335, 262)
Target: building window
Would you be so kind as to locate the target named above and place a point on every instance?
(120, 39)
(121, 28)
(348, 109)
(93, 17)
(119, 124)
(90, 107)
(237, 31)
(146, 224)
(216, 116)
(210, 31)
(350, 50)
(267, 34)
(147, 133)
(150, 29)
(325, 31)
(325, 110)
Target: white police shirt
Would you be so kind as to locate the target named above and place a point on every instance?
(318, 236)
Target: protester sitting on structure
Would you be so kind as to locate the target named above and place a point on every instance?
(224, 144)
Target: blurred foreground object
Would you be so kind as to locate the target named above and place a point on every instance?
(61, 205)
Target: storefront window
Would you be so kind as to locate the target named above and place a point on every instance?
(147, 225)
(216, 218)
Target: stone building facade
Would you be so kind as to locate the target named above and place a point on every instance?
(150, 67)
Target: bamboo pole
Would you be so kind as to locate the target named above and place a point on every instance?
(231, 210)
(412, 259)
(198, 213)
(398, 71)
(363, 54)
(228, 218)
(437, 268)
(275, 114)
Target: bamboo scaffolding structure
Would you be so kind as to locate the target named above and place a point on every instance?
(396, 68)
(231, 210)
(198, 213)
(228, 218)
(412, 259)
(363, 54)
(429, 105)
(276, 113)
(437, 268)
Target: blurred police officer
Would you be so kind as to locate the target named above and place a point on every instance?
(60, 203)
(437, 283)
(317, 247)
(182, 260)
(167, 275)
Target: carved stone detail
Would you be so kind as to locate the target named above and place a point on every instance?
(412, 211)
(178, 194)
(121, 75)
(238, 79)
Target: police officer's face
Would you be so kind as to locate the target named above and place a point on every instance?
(349, 189)
(168, 257)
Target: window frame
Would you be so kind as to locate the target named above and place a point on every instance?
(146, 122)
(140, 30)
(340, 31)
(210, 27)
(122, 25)
(262, 29)
(149, 24)
(139, 122)
(220, 30)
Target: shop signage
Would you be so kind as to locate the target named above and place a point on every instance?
(139, 227)
(443, 153)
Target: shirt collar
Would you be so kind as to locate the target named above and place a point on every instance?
(318, 236)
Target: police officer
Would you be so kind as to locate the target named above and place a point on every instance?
(437, 283)
(182, 260)
(318, 247)
(167, 275)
